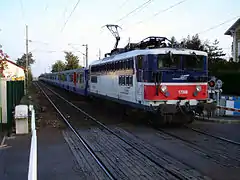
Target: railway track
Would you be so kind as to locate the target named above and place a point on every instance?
(214, 136)
(224, 154)
(170, 171)
(110, 176)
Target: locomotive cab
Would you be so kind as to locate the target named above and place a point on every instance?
(174, 81)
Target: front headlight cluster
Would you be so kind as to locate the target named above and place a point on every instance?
(198, 88)
(164, 88)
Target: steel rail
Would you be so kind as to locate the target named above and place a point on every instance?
(112, 132)
(211, 135)
(79, 137)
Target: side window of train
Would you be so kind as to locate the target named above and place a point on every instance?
(127, 80)
(121, 80)
(125, 64)
(130, 80)
(94, 79)
(117, 65)
(114, 66)
(107, 67)
(131, 63)
(128, 64)
(80, 78)
(140, 62)
(71, 77)
(102, 67)
(122, 64)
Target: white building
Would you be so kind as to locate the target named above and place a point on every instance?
(234, 31)
(11, 71)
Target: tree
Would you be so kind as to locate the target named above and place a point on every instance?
(215, 53)
(72, 61)
(22, 61)
(193, 43)
(173, 41)
(58, 66)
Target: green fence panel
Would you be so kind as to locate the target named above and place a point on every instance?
(15, 92)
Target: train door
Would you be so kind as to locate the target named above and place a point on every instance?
(139, 60)
(86, 79)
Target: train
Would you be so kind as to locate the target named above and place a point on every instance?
(152, 76)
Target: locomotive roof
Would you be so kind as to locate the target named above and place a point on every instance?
(147, 51)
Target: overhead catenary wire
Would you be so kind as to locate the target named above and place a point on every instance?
(70, 15)
(137, 8)
(122, 5)
(159, 12)
(218, 25)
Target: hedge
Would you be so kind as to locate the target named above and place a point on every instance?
(231, 82)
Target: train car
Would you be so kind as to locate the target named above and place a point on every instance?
(75, 80)
(170, 82)
(167, 81)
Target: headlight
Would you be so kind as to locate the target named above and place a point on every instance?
(164, 88)
(198, 88)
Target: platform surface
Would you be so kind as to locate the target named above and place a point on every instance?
(55, 160)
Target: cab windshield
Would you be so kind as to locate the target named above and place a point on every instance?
(184, 62)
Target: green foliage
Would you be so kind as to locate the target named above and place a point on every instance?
(72, 61)
(22, 61)
(193, 43)
(215, 53)
(30, 76)
(231, 85)
(173, 41)
(58, 66)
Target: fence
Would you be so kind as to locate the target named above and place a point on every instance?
(32, 169)
(229, 105)
(11, 93)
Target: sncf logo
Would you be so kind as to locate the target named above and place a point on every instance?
(182, 77)
(182, 91)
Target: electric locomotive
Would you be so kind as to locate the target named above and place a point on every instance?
(166, 80)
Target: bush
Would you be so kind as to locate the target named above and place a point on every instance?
(231, 81)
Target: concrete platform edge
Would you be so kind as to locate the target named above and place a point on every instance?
(218, 120)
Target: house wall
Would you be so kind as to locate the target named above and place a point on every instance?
(13, 72)
(236, 44)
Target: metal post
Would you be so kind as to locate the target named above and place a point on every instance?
(26, 58)
(217, 98)
(99, 55)
(86, 55)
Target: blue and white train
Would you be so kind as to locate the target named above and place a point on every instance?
(149, 75)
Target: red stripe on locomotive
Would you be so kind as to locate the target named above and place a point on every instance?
(174, 92)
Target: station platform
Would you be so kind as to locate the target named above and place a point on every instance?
(55, 160)
(220, 119)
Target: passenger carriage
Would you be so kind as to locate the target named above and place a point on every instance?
(75, 80)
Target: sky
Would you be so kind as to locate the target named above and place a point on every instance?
(51, 34)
